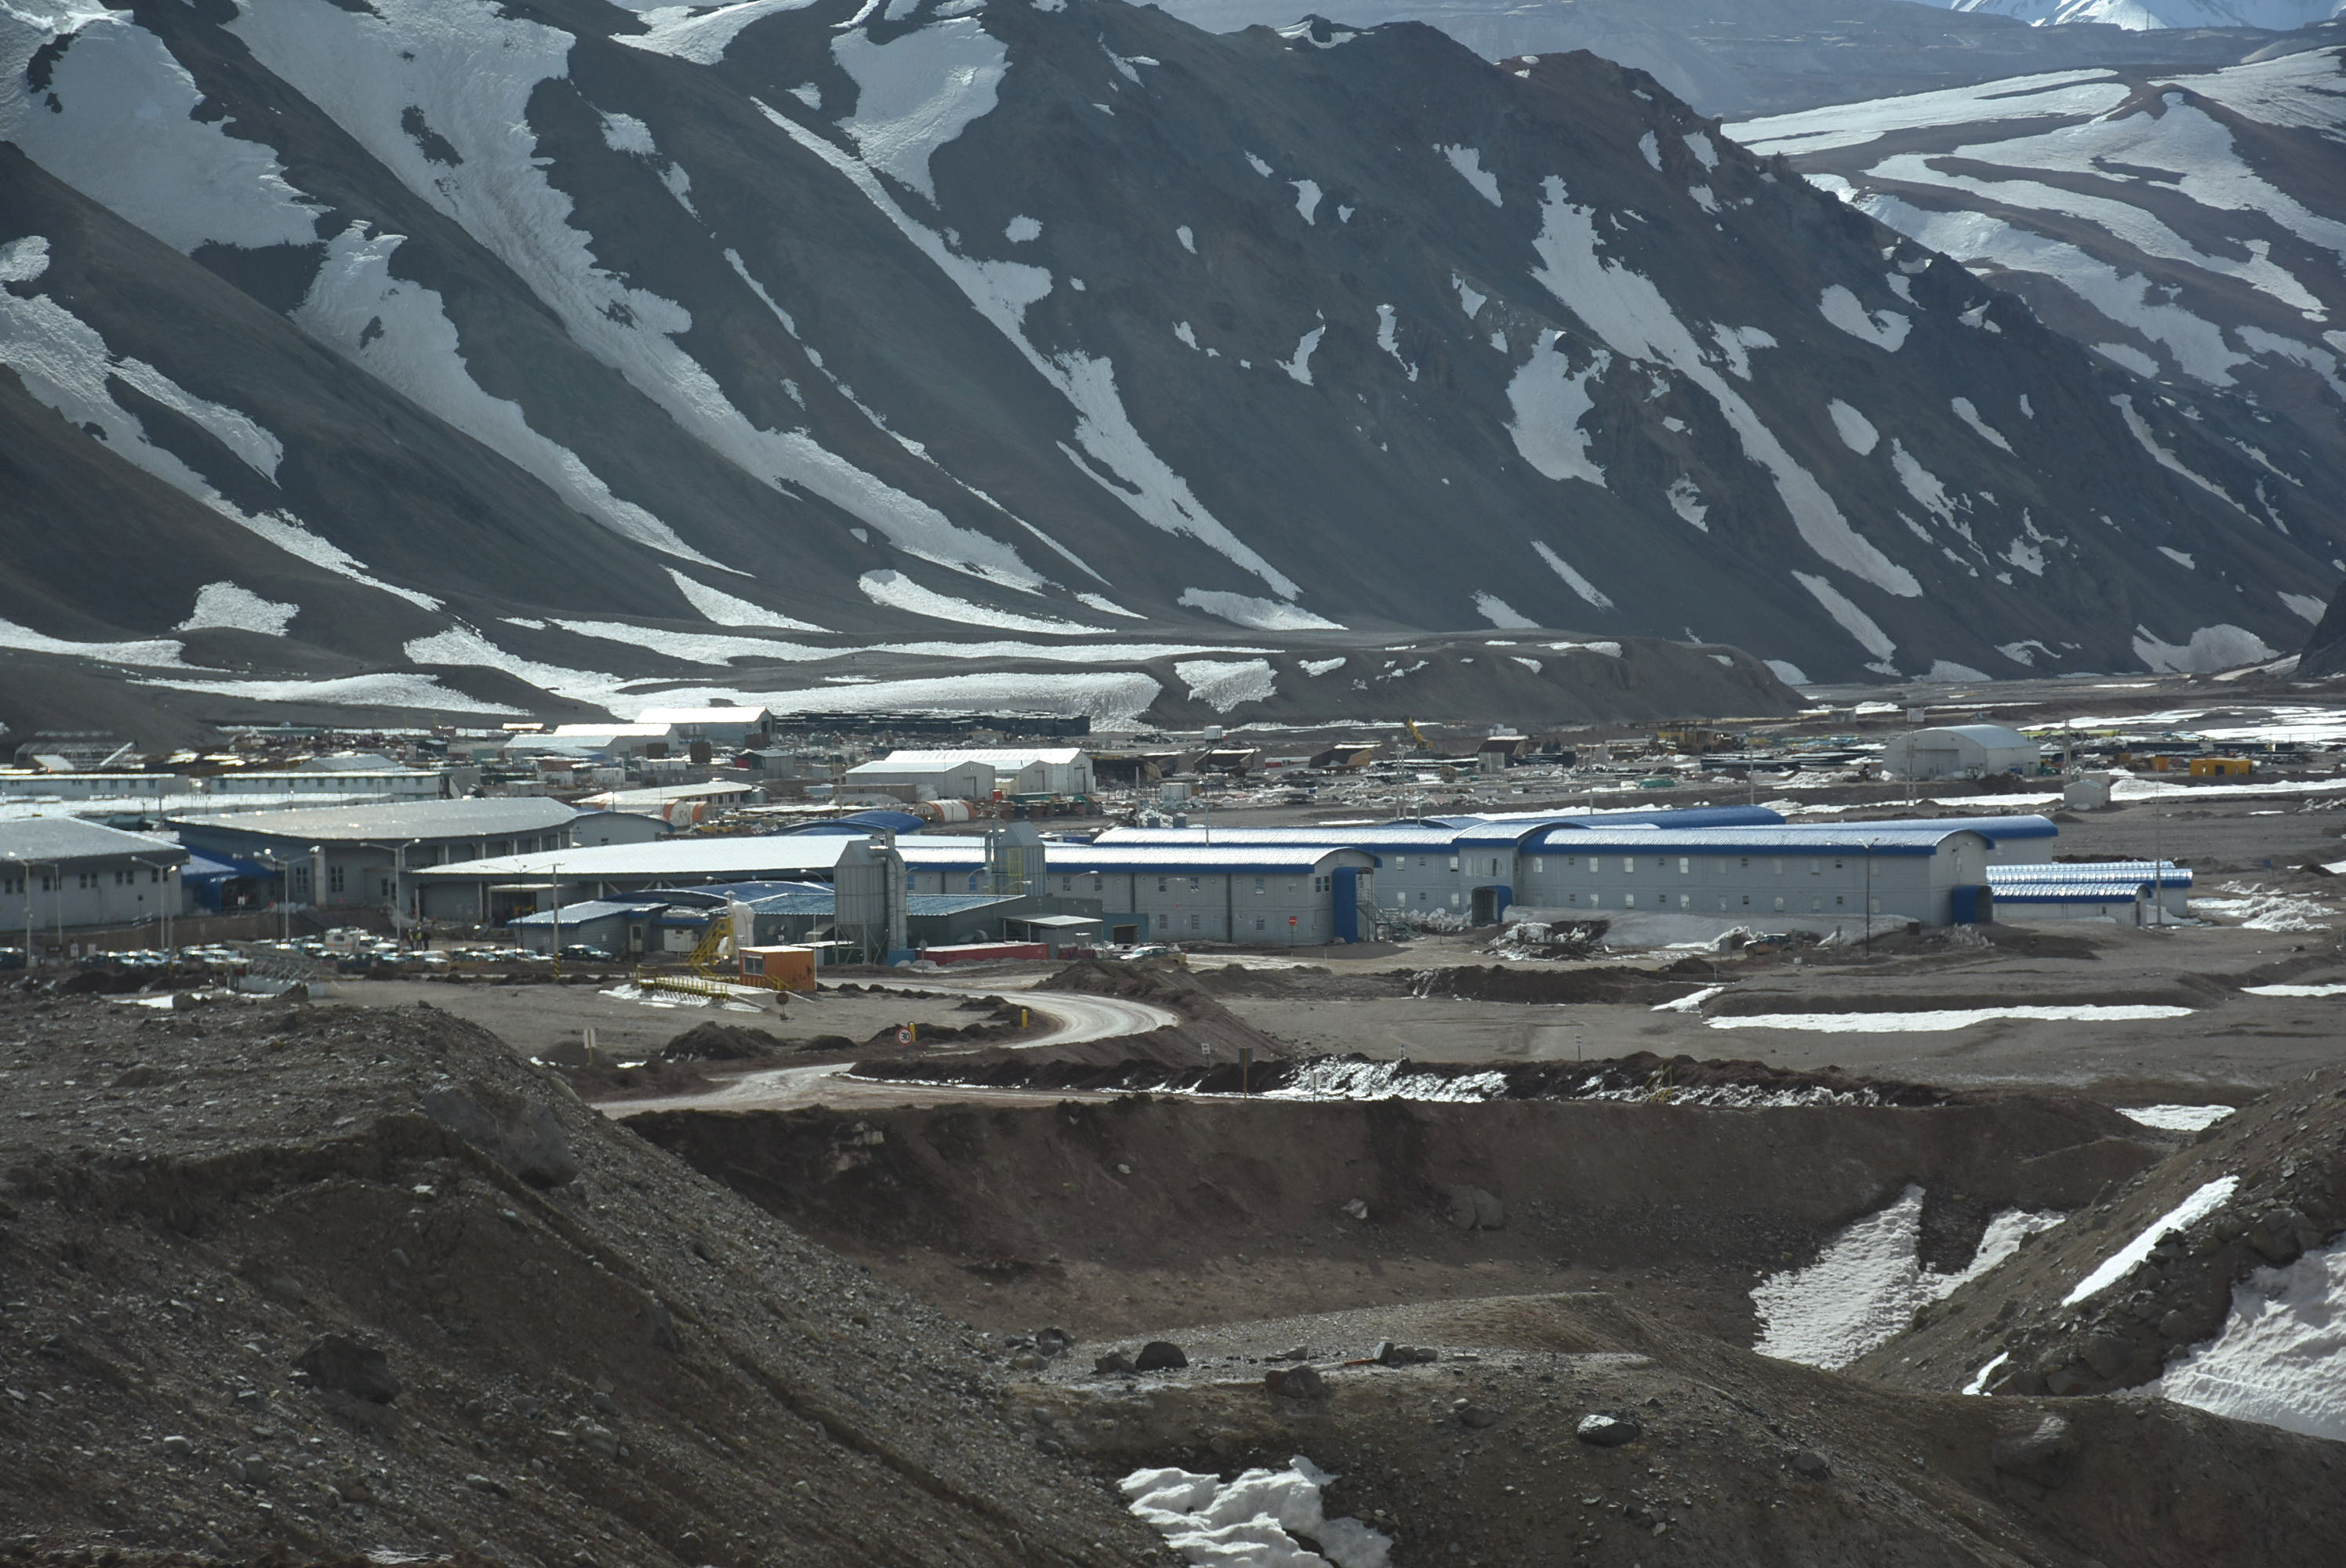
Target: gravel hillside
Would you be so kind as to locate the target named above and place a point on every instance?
(355, 1281)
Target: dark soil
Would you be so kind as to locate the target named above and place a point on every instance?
(603, 1357)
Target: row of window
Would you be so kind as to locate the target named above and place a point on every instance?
(1164, 922)
(14, 887)
(1685, 902)
(1685, 864)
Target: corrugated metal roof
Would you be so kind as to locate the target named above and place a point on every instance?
(589, 909)
(1995, 828)
(1009, 758)
(714, 859)
(1996, 737)
(1857, 839)
(491, 817)
(2067, 893)
(1193, 859)
(71, 838)
(1396, 835)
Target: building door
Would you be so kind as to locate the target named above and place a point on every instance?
(1124, 934)
(1484, 909)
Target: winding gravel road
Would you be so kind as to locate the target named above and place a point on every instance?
(1079, 1018)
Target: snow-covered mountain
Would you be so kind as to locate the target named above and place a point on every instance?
(373, 349)
(1740, 57)
(2141, 15)
(2188, 226)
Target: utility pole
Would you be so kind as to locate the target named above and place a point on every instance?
(163, 903)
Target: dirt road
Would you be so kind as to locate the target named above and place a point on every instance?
(1079, 1018)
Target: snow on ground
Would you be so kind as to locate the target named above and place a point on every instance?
(2281, 1357)
(701, 36)
(1634, 318)
(1501, 613)
(2255, 908)
(1857, 432)
(1690, 1004)
(1884, 328)
(2060, 93)
(1597, 597)
(1468, 162)
(728, 610)
(1254, 1519)
(2176, 1118)
(388, 690)
(1865, 1285)
(1260, 615)
(1940, 1019)
(237, 609)
(1550, 399)
(65, 364)
(1223, 684)
(117, 125)
(898, 591)
(1346, 1078)
(1113, 454)
(1321, 666)
(2295, 989)
(1111, 699)
(1299, 365)
(2205, 1201)
(398, 333)
(699, 648)
(155, 653)
(467, 74)
(1860, 625)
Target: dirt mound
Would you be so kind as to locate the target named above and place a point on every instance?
(1099, 1215)
(599, 1355)
(1609, 983)
(1730, 1458)
(714, 1042)
(2285, 1156)
(1205, 1022)
(1110, 1068)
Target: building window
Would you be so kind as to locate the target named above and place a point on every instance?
(1839, 901)
(1629, 900)
(1193, 922)
(1421, 895)
(1453, 901)
(1816, 868)
(1571, 898)
(1686, 866)
(1877, 906)
(1261, 886)
(1193, 884)
(1628, 862)
(333, 879)
(1539, 867)
(1836, 863)
(1815, 905)
(1779, 906)
(1745, 864)
(1163, 920)
(1685, 900)
(1161, 884)
(1454, 862)
(1258, 923)
(386, 889)
(1747, 900)
(1596, 901)
(1780, 872)
(1066, 884)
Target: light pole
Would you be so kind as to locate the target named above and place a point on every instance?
(398, 853)
(554, 873)
(25, 874)
(284, 891)
(1869, 895)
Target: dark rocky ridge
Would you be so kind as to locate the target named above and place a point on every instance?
(764, 336)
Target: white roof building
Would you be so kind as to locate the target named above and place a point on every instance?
(1016, 770)
(1959, 751)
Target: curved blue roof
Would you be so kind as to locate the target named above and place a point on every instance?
(1995, 830)
(1856, 838)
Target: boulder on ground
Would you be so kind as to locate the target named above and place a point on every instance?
(348, 1367)
(1160, 1356)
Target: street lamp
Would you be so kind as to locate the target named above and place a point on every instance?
(284, 891)
(25, 874)
(1870, 843)
(398, 853)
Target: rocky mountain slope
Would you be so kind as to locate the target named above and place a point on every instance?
(372, 353)
(1766, 56)
(2149, 15)
(2189, 226)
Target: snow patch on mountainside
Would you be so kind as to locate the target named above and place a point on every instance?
(115, 124)
(1550, 399)
(398, 333)
(65, 364)
(701, 36)
(1501, 613)
(729, 610)
(235, 609)
(467, 76)
(1625, 309)
(1221, 685)
(899, 591)
(1579, 585)
(1851, 619)
(1261, 614)
(1468, 162)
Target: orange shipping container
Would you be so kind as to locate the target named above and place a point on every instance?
(780, 968)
